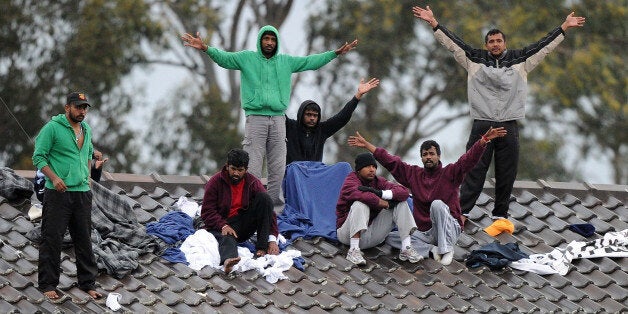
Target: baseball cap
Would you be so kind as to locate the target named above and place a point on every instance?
(77, 98)
(499, 226)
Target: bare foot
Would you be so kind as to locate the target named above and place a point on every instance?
(260, 253)
(94, 294)
(230, 262)
(52, 294)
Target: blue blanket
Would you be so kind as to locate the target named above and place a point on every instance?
(311, 191)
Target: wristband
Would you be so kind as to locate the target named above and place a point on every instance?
(485, 139)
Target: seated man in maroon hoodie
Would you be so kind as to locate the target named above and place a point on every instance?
(235, 206)
(435, 193)
(368, 208)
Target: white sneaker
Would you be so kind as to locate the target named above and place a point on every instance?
(447, 258)
(410, 254)
(434, 251)
(355, 256)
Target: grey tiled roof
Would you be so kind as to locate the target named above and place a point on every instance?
(541, 212)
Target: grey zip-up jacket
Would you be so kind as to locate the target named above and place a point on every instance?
(497, 87)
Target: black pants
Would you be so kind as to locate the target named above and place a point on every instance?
(256, 218)
(61, 211)
(506, 152)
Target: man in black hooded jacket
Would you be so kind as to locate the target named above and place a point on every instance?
(306, 136)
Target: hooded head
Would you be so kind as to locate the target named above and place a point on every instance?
(311, 108)
(265, 45)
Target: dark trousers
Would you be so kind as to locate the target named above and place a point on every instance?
(61, 211)
(506, 152)
(256, 218)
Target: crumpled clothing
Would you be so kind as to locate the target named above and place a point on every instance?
(278, 263)
(558, 261)
(201, 249)
(172, 227)
(495, 255)
(191, 208)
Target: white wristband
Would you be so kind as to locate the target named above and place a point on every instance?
(387, 194)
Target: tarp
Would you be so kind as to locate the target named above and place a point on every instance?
(311, 192)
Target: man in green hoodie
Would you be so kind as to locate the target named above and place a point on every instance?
(265, 88)
(63, 152)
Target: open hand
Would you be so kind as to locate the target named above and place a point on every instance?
(573, 21)
(357, 140)
(365, 87)
(194, 42)
(494, 133)
(346, 47)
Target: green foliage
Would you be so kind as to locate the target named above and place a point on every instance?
(59, 46)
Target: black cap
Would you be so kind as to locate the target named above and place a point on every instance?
(363, 160)
(76, 98)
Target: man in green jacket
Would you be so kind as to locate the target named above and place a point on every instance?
(265, 88)
(63, 152)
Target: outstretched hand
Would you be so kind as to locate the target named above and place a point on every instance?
(346, 47)
(357, 140)
(194, 42)
(494, 133)
(364, 88)
(425, 14)
(573, 21)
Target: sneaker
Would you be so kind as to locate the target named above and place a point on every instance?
(435, 253)
(355, 256)
(447, 258)
(410, 254)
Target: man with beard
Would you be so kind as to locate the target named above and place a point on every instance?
(435, 189)
(265, 90)
(497, 86)
(235, 206)
(63, 152)
(368, 208)
(306, 135)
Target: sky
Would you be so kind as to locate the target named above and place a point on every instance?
(158, 82)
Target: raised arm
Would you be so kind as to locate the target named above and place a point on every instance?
(572, 21)
(359, 141)
(425, 14)
(346, 47)
(365, 87)
(194, 42)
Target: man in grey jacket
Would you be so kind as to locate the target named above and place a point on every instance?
(497, 89)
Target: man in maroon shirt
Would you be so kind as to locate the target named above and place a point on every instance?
(435, 192)
(235, 206)
(368, 208)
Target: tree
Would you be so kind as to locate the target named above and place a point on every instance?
(586, 86)
(53, 47)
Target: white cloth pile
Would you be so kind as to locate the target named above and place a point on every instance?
(201, 249)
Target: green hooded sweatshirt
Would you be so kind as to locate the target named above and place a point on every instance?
(56, 146)
(265, 84)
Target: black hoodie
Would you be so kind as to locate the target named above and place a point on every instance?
(307, 144)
